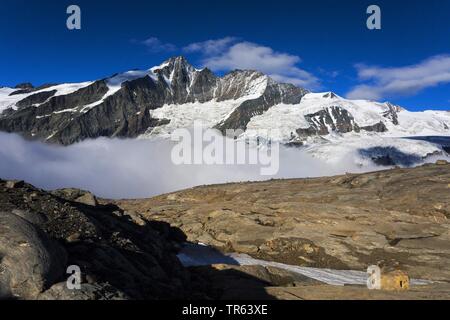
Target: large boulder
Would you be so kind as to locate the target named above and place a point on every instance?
(77, 195)
(30, 261)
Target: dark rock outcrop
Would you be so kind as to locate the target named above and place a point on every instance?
(36, 98)
(60, 119)
(335, 118)
(42, 233)
(391, 113)
(28, 87)
(25, 85)
(273, 94)
(378, 127)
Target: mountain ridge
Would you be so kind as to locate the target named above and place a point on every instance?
(133, 104)
(119, 106)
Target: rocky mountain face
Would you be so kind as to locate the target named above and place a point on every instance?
(273, 94)
(119, 106)
(122, 105)
(335, 119)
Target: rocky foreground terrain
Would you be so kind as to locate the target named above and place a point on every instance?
(42, 233)
(128, 249)
(397, 219)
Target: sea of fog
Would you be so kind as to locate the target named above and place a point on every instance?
(138, 168)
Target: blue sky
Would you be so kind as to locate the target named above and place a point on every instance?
(323, 44)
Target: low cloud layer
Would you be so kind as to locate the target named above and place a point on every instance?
(231, 53)
(116, 168)
(387, 82)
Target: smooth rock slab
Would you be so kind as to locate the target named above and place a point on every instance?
(29, 260)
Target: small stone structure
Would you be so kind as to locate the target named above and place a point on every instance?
(390, 281)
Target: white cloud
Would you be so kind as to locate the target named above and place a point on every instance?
(155, 45)
(230, 53)
(401, 81)
(134, 168)
(210, 47)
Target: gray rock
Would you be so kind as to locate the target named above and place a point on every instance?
(36, 98)
(275, 93)
(13, 184)
(391, 113)
(30, 260)
(336, 118)
(25, 85)
(378, 127)
(346, 222)
(88, 199)
(77, 195)
(35, 218)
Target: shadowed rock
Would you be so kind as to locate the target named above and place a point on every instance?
(30, 260)
(41, 234)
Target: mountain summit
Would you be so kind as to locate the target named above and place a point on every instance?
(120, 106)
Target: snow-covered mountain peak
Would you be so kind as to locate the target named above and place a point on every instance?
(394, 107)
(174, 94)
(175, 64)
(240, 83)
(331, 95)
(326, 114)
